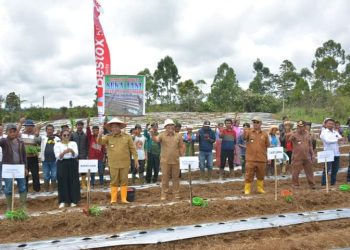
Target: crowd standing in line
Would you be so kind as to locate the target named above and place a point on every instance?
(150, 151)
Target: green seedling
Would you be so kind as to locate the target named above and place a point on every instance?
(18, 215)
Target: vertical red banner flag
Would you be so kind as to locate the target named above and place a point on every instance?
(103, 61)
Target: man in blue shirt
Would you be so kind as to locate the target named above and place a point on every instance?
(206, 139)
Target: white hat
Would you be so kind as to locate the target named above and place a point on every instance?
(189, 126)
(115, 120)
(168, 122)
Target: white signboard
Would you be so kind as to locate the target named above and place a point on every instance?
(85, 165)
(185, 161)
(12, 171)
(325, 156)
(275, 152)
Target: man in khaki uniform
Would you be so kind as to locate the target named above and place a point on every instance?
(119, 147)
(171, 149)
(257, 142)
(303, 154)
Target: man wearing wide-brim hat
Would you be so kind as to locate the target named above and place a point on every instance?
(171, 149)
(257, 142)
(119, 148)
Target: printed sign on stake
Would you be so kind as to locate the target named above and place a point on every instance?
(275, 151)
(189, 160)
(325, 156)
(85, 165)
(12, 171)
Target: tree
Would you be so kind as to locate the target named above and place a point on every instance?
(151, 87)
(166, 77)
(190, 95)
(328, 58)
(286, 80)
(301, 89)
(70, 104)
(261, 82)
(12, 102)
(225, 93)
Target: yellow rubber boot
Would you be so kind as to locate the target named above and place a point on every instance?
(247, 188)
(124, 193)
(114, 195)
(260, 187)
(83, 183)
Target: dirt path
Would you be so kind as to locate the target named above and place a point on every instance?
(125, 218)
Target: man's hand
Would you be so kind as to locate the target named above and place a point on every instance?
(37, 130)
(26, 172)
(137, 165)
(22, 120)
(88, 122)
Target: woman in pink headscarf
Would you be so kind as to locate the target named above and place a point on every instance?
(237, 129)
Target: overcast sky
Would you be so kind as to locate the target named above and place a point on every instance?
(46, 46)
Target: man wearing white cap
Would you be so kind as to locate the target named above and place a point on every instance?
(171, 149)
(119, 148)
(256, 155)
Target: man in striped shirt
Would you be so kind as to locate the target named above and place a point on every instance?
(228, 142)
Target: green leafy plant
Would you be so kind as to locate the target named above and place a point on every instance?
(93, 211)
(18, 215)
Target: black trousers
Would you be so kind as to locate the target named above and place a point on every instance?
(226, 154)
(153, 163)
(33, 167)
(68, 181)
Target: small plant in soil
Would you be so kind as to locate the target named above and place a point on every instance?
(18, 215)
(93, 211)
(287, 195)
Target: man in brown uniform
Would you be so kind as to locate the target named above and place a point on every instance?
(119, 147)
(171, 144)
(303, 154)
(256, 155)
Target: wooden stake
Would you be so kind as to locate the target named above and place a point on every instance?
(13, 193)
(190, 181)
(274, 163)
(326, 175)
(88, 188)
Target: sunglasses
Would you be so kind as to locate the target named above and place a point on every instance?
(65, 135)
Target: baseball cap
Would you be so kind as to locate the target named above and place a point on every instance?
(206, 123)
(11, 126)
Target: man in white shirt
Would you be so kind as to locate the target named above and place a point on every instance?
(331, 139)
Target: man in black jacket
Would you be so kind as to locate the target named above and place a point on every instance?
(83, 147)
(14, 153)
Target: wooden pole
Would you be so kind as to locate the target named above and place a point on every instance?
(326, 175)
(88, 188)
(190, 181)
(275, 166)
(13, 193)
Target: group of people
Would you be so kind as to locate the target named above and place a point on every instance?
(152, 151)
